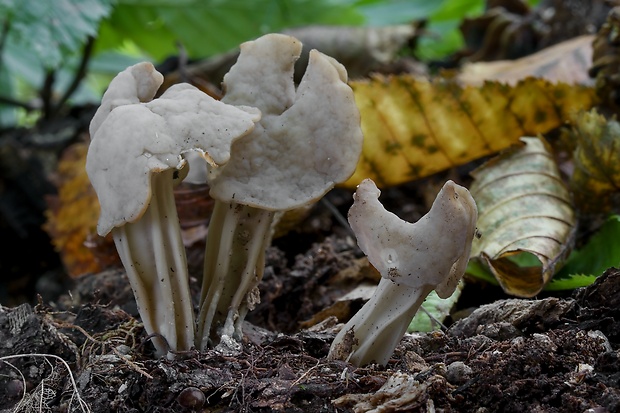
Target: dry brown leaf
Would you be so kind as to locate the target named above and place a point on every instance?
(596, 178)
(525, 217)
(414, 127)
(566, 62)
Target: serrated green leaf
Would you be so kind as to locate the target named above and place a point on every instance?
(570, 282)
(52, 30)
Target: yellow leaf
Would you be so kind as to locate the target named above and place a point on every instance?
(525, 217)
(597, 161)
(72, 216)
(415, 127)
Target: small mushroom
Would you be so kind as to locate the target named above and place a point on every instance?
(308, 140)
(134, 158)
(413, 260)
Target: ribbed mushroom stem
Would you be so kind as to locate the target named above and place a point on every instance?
(153, 255)
(234, 264)
(376, 329)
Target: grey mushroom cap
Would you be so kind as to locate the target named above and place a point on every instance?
(433, 251)
(137, 140)
(309, 138)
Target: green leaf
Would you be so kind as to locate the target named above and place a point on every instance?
(389, 12)
(51, 30)
(444, 36)
(570, 282)
(477, 269)
(438, 308)
(208, 27)
(600, 253)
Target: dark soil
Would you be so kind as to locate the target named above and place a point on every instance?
(514, 355)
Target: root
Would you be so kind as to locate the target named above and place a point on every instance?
(46, 391)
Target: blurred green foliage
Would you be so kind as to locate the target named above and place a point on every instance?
(45, 44)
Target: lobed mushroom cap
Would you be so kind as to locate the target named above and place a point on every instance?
(137, 83)
(433, 251)
(137, 140)
(309, 138)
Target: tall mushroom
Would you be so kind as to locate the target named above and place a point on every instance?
(413, 260)
(308, 140)
(134, 157)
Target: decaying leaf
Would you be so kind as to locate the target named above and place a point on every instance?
(414, 127)
(566, 62)
(400, 393)
(596, 177)
(606, 60)
(525, 217)
(73, 214)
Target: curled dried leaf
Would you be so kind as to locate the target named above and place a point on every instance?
(526, 217)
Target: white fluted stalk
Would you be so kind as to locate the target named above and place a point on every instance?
(153, 255)
(234, 260)
(377, 331)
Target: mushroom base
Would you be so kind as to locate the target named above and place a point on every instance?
(234, 264)
(375, 330)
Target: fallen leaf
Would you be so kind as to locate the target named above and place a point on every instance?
(606, 61)
(73, 214)
(566, 62)
(525, 217)
(400, 393)
(415, 127)
(596, 176)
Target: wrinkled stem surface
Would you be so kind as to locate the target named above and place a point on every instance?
(376, 329)
(152, 252)
(234, 260)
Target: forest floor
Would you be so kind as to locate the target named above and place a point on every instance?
(553, 354)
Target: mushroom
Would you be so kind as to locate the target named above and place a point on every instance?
(135, 155)
(308, 140)
(413, 260)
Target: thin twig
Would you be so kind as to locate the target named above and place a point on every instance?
(182, 60)
(339, 217)
(303, 376)
(77, 77)
(433, 319)
(6, 25)
(13, 102)
(47, 90)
